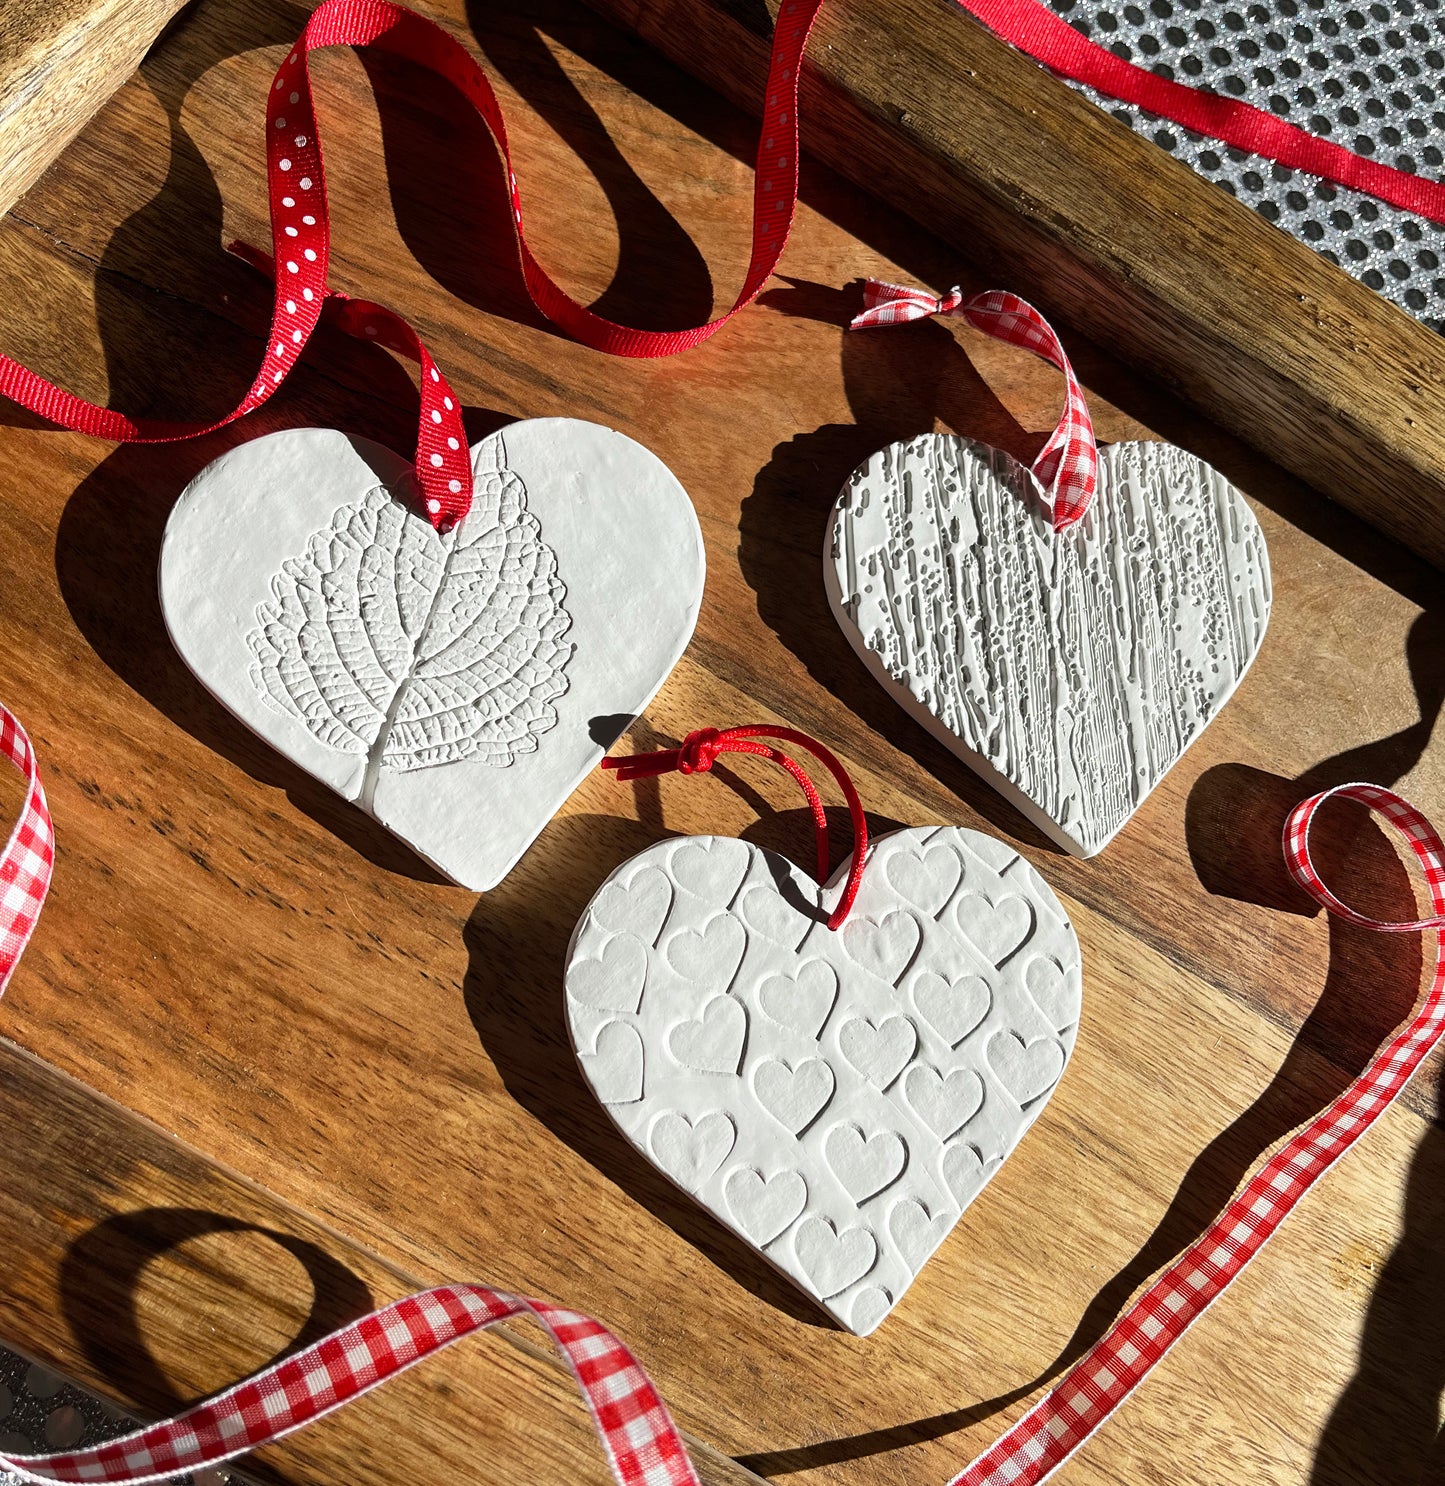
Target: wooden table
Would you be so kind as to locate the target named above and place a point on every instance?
(264, 1070)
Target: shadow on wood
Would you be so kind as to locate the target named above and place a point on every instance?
(101, 1273)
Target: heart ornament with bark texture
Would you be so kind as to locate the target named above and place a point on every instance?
(1068, 645)
(455, 685)
(836, 1097)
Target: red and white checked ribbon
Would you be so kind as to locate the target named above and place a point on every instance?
(1068, 465)
(638, 1436)
(29, 853)
(641, 1441)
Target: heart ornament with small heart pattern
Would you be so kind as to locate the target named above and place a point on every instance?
(836, 1096)
(1069, 645)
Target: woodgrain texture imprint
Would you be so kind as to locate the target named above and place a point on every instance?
(1071, 669)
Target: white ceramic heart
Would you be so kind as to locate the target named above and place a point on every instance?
(1070, 670)
(457, 688)
(835, 1098)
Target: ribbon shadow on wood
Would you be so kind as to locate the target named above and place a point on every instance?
(104, 1268)
(448, 189)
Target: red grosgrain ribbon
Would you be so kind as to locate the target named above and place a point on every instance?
(29, 854)
(1068, 465)
(1069, 1413)
(698, 753)
(1033, 28)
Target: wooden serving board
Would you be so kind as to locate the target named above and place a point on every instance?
(342, 1049)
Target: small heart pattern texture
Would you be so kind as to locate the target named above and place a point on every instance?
(455, 687)
(1070, 669)
(835, 1099)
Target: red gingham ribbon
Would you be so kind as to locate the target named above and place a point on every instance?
(1071, 1411)
(29, 853)
(1068, 465)
(642, 1443)
(638, 1436)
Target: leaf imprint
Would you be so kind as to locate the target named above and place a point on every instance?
(387, 639)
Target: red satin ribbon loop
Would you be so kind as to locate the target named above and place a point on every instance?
(1105, 1376)
(698, 753)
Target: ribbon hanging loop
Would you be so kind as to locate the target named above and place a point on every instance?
(1068, 464)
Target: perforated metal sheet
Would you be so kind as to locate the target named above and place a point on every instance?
(1367, 76)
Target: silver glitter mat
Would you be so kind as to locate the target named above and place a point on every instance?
(41, 1411)
(1370, 77)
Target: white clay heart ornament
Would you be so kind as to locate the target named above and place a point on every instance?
(835, 1097)
(1070, 668)
(457, 686)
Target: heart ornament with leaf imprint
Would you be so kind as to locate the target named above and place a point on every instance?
(1067, 630)
(455, 684)
(834, 1072)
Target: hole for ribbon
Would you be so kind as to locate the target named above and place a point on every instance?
(699, 751)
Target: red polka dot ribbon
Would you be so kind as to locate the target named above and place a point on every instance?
(300, 239)
(1068, 465)
(300, 231)
(641, 1442)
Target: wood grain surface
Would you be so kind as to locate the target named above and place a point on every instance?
(144, 1272)
(59, 61)
(1060, 202)
(236, 955)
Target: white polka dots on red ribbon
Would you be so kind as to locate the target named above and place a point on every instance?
(301, 245)
(300, 239)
